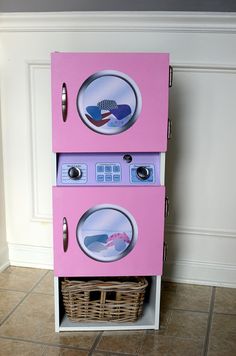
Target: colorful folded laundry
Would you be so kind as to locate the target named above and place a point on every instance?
(121, 112)
(107, 104)
(92, 238)
(118, 236)
(97, 123)
(120, 245)
(105, 245)
(94, 112)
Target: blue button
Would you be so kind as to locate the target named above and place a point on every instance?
(100, 169)
(116, 169)
(133, 172)
(108, 178)
(108, 169)
(116, 178)
(100, 178)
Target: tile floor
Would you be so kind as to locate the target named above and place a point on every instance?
(195, 320)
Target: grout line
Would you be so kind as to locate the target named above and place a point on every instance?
(111, 353)
(37, 283)
(49, 294)
(23, 299)
(44, 350)
(189, 310)
(106, 352)
(141, 344)
(230, 314)
(209, 322)
(13, 290)
(96, 342)
(43, 343)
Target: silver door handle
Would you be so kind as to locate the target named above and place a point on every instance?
(165, 251)
(64, 102)
(65, 234)
(167, 207)
(169, 129)
(170, 76)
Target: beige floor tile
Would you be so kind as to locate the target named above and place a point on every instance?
(222, 346)
(155, 344)
(187, 324)
(222, 340)
(20, 278)
(165, 316)
(223, 325)
(225, 301)
(8, 301)
(185, 296)
(34, 320)
(186, 347)
(60, 351)
(121, 341)
(46, 284)
(20, 348)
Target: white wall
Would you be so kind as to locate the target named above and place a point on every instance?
(201, 230)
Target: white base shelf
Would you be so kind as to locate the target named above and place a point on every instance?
(149, 319)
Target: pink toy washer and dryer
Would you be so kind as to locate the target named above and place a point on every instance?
(110, 123)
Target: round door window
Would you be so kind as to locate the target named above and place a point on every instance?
(109, 102)
(107, 233)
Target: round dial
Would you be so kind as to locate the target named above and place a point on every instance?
(143, 173)
(75, 173)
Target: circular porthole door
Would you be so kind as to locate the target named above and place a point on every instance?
(109, 102)
(107, 233)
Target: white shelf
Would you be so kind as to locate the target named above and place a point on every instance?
(149, 320)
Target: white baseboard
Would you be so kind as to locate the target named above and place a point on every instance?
(4, 259)
(200, 256)
(30, 256)
(200, 273)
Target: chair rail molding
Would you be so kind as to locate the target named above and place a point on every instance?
(119, 21)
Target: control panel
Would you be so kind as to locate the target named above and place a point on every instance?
(108, 172)
(108, 169)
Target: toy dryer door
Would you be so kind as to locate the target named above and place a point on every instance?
(108, 102)
(102, 231)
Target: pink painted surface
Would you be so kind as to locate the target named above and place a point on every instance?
(146, 205)
(150, 71)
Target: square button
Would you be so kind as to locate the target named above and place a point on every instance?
(133, 172)
(108, 178)
(116, 169)
(108, 169)
(100, 169)
(100, 178)
(116, 178)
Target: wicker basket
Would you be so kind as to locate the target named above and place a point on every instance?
(117, 299)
